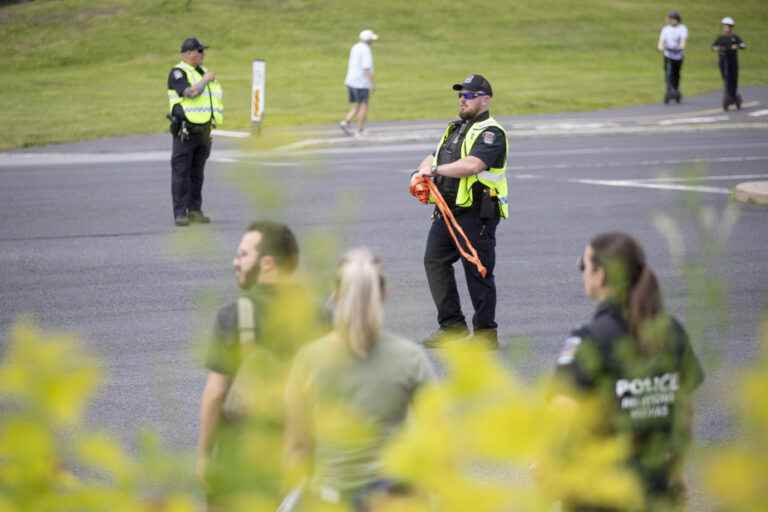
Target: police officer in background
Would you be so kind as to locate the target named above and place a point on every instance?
(469, 169)
(637, 361)
(195, 103)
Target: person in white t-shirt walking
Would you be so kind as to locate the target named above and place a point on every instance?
(672, 41)
(359, 82)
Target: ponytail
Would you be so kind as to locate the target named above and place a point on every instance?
(635, 287)
(359, 301)
(645, 310)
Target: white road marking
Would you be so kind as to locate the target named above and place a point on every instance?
(229, 133)
(258, 162)
(405, 136)
(47, 159)
(302, 144)
(704, 112)
(693, 120)
(357, 150)
(759, 113)
(672, 183)
(636, 149)
(523, 124)
(280, 164)
(659, 186)
(396, 152)
(642, 163)
(667, 183)
(38, 159)
(574, 126)
(426, 140)
(724, 177)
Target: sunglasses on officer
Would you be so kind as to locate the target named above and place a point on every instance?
(471, 95)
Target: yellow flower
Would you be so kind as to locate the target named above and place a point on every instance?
(49, 377)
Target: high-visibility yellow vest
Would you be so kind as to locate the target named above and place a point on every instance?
(204, 108)
(494, 178)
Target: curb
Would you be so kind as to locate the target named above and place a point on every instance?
(754, 192)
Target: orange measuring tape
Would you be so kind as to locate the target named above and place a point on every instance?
(422, 188)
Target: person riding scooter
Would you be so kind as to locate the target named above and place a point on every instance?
(727, 46)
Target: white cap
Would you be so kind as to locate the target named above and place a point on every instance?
(368, 35)
(728, 21)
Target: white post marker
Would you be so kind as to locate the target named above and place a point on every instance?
(258, 90)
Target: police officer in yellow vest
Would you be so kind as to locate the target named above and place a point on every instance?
(195, 103)
(469, 169)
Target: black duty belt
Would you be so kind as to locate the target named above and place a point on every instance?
(198, 128)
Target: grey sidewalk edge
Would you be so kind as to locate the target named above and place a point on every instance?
(605, 121)
(753, 192)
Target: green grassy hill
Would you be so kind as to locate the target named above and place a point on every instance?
(80, 69)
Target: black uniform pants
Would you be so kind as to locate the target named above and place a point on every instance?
(729, 70)
(672, 73)
(439, 257)
(187, 170)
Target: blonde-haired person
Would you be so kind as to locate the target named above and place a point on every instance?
(349, 391)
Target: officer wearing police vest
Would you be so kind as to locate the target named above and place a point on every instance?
(195, 104)
(469, 169)
(634, 360)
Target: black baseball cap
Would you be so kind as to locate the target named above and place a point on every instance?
(475, 83)
(192, 43)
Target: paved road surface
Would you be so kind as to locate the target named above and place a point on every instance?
(87, 243)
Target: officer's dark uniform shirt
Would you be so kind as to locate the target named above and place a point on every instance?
(490, 147)
(224, 352)
(177, 80)
(725, 44)
(647, 395)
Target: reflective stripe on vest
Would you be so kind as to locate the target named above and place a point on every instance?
(207, 106)
(495, 178)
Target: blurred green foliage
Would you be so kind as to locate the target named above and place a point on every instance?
(735, 473)
(480, 440)
(484, 441)
(50, 460)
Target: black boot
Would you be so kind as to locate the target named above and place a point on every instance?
(444, 335)
(488, 337)
(198, 217)
(727, 102)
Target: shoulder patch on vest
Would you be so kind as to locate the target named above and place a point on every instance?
(568, 352)
(489, 137)
(177, 74)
